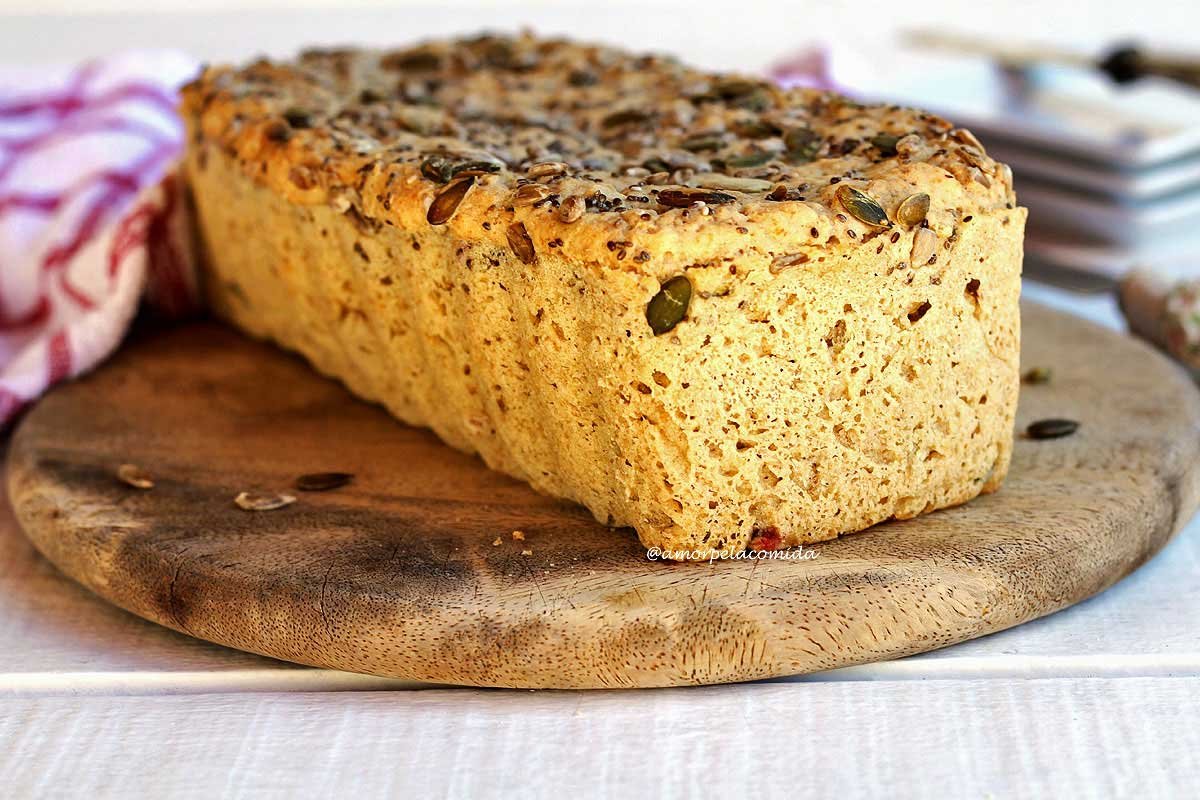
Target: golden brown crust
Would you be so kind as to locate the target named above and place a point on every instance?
(363, 123)
(840, 361)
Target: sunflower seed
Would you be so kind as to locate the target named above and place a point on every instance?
(966, 137)
(1051, 428)
(668, 308)
(863, 207)
(546, 169)
(730, 183)
(682, 198)
(572, 208)
(262, 501)
(910, 146)
(520, 243)
(925, 243)
(322, 481)
(133, 475)
(529, 194)
(913, 210)
(447, 201)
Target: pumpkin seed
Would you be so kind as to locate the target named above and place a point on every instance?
(863, 207)
(682, 198)
(262, 501)
(802, 145)
(438, 169)
(913, 210)
(925, 243)
(298, 118)
(475, 168)
(1051, 428)
(447, 201)
(629, 116)
(1037, 375)
(279, 131)
(443, 169)
(730, 88)
(668, 308)
(756, 159)
(730, 183)
(756, 129)
(886, 143)
(572, 209)
(322, 481)
(701, 141)
(520, 243)
(134, 476)
(582, 77)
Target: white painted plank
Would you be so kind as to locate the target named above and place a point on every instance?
(57, 638)
(1090, 738)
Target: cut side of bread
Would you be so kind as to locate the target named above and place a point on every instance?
(722, 313)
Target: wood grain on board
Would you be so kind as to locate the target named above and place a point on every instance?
(397, 574)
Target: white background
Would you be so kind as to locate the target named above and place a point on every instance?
(722, 33)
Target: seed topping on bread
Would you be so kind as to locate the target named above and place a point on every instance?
(575, 131)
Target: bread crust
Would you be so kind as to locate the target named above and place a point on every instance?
(819, 383)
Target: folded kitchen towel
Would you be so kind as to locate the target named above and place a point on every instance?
(91, 216)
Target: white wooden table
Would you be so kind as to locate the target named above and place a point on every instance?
(1100, 700)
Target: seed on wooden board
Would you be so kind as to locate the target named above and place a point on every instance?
(913, 210)
(1051, 428)
(863, 207)
(447, 201)
(668, 308)
(134, 476)
(925, 243)
(322, 481)
(1036, 375)
(262, 501)
(520, 243)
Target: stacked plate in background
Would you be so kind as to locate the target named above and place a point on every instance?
(1110, 174)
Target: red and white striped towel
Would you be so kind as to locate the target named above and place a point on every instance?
(91, 217)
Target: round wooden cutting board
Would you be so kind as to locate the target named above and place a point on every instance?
(399, 573)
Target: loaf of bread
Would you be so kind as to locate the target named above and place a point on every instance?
(726, 314)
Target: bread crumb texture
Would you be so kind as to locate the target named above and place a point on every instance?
(471, 232)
